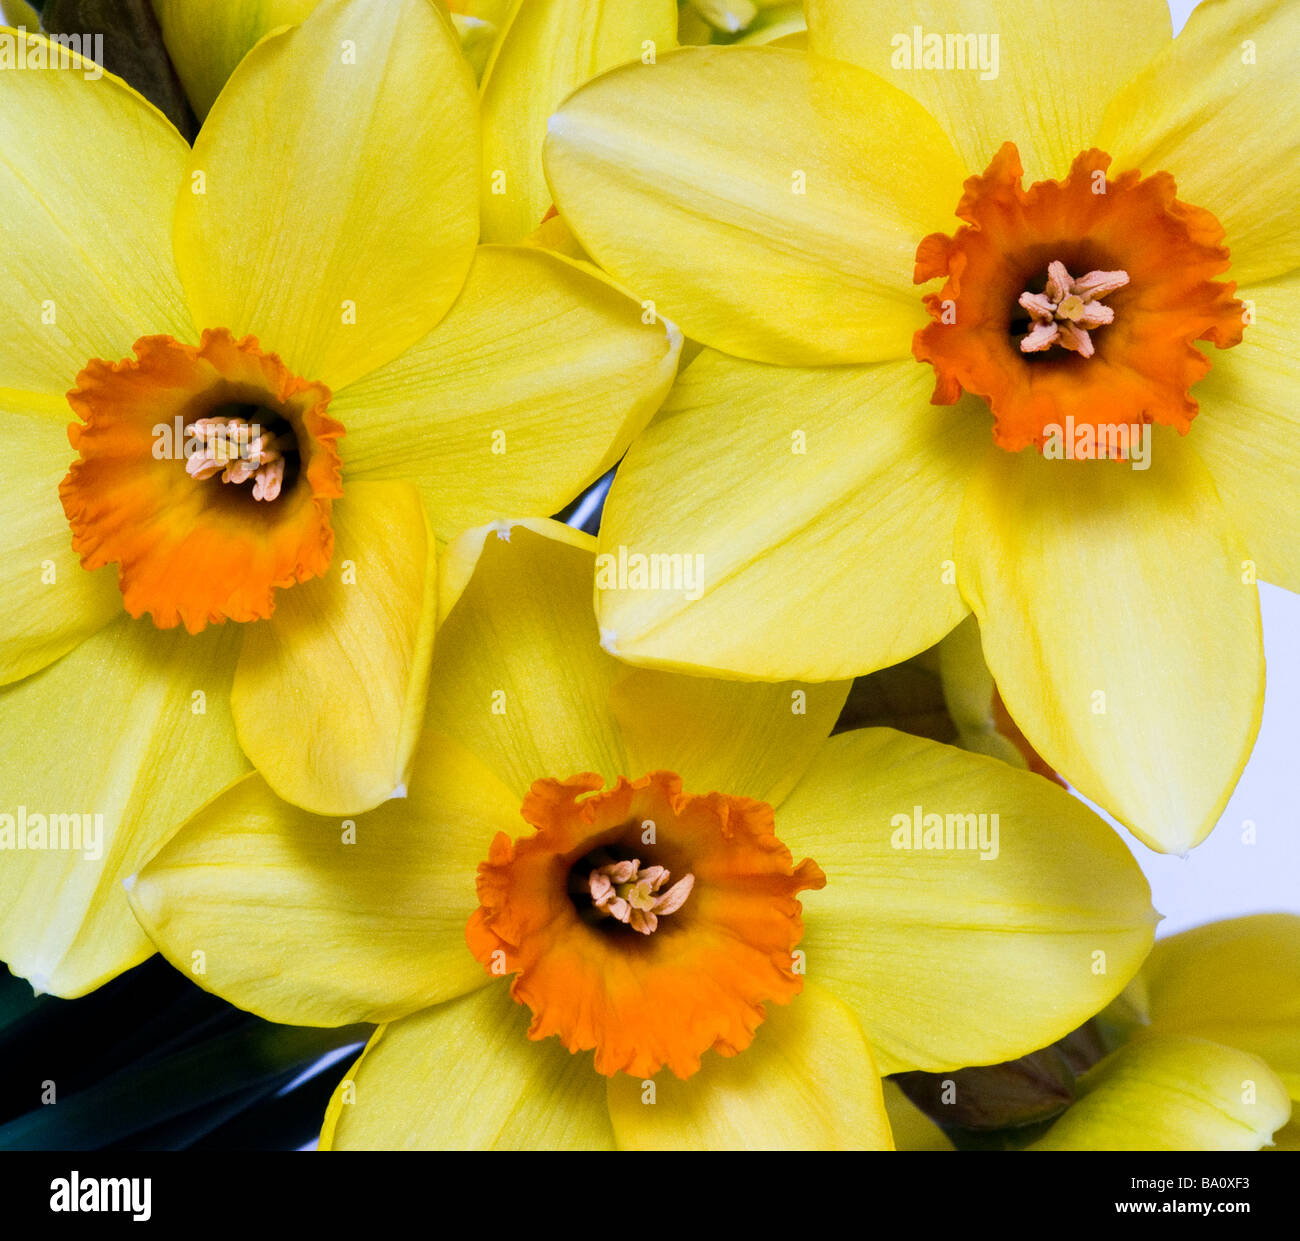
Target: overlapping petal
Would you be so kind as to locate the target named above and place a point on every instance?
(803, 495)
(808, 1082)
(1248, 431)
(1038, 75)
(51, 603)
(795, 249)
(1110, 602)
(206, 41)
(331, 208)
(1195, 112)
(739, 737)
(463, 1076)
(549, 49)
(132, 726)
(329, 692)
(1235, 982)
(317, 921)
(529, 389)
(933, 946)
(88, 177)
(519, 677)
(1173, 1094)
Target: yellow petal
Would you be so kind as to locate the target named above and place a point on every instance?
(913, 1129)
(739, 737)
(519, 677)
(1195, 112)
(1235, 982)
(1172, 1094)
(1248, 431)
(51, 602)
(331, 208)
(796, 495)
(550, 48)
(934, 947)
(993, 71)
(464, 1076)
(1117, 625)
(206, 41)
(797, 248)
(132, 726)
(316, 921)
(807, 1082)
(329, 692)
(530, 388)
(87, 182)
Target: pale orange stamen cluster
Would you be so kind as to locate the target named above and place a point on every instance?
(643, 1001)
(1068, 309)
(631, 895)
(238, 450)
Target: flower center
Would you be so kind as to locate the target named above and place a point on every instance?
(168, 444)
(609, 953)
(1029, 346)
(630, 893)
(1067, 308)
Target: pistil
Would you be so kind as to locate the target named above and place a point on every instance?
(1068, 309)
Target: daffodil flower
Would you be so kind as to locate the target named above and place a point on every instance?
(799, 943)
(860, 469)
(329, 379)
(1206, 1056)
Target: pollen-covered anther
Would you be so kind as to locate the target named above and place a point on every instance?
(1065, 312)
(632, 895)
(240, 450)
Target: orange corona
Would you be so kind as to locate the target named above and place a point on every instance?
(726, 923)
(207, 529)
(1075, 299)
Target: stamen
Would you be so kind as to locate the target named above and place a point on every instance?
(240, 450)
(1065, 312)
(624, 891)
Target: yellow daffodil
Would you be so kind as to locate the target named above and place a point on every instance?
(329, 378)
(652, 916)
(859, 469)
(1206, 1054)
